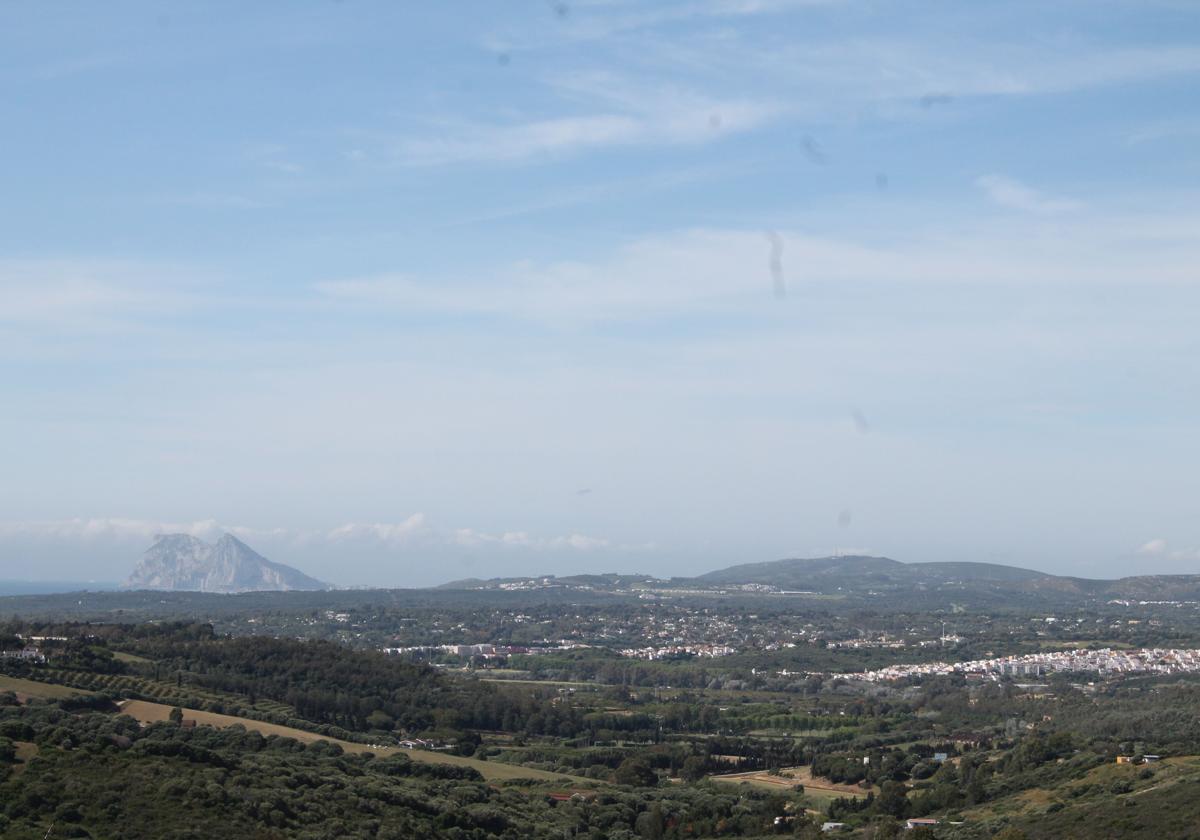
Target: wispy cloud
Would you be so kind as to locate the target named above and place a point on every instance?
(900, 75)
(595, 20)
(1011, 193)
(36, 292)
(210, 200)
(275, 157)
(690, 121)
(696, 86)
(726, 270)
(1164, 130)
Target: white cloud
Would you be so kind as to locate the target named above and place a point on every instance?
(1159, 547)
(418, 530)
(1155, 546)
(101, 529)
(414, 527)
(1008, 192)
(520, 539)
(414, 531)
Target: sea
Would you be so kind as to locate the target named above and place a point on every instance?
(50, 587)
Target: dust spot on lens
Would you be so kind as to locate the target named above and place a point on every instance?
(775, 264)
(931, 100)
(813, 151)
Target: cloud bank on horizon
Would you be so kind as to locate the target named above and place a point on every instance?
(299, 269)
(401, 551)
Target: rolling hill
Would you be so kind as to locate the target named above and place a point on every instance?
(873, 578)
(986, 581)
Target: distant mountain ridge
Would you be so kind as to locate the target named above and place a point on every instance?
(181, 562)
(882, 576)
(797, 573)
(874, 578)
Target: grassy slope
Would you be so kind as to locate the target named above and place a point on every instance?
(26, 752)
(122, 656)
(1162, 806)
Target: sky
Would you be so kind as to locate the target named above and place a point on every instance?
(403, 293)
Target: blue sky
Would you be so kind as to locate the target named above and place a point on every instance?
(401, 293)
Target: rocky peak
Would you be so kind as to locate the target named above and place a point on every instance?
(187, 563)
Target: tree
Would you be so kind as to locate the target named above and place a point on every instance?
(806, 827)
(635, 771)
(893, 799)
(693, 769)
(381, 720)
(176, 715)
(885, 829)
(651, 824)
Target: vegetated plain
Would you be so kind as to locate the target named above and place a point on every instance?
(591, 714)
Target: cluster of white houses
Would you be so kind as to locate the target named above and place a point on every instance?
(486, 651)
(25, 654)
(675, 651)
(30, 650)
(1103, 661)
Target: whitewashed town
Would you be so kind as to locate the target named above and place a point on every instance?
(1103, 661)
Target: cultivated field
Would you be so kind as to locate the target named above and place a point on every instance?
(816, 787)
(30, 688)
(152, 712)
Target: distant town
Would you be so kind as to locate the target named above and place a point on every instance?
(1105, 662)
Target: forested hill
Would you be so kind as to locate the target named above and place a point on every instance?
(860, 574)
(871, 578)
(800, 573)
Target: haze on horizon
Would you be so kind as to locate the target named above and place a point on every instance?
(404, 295)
